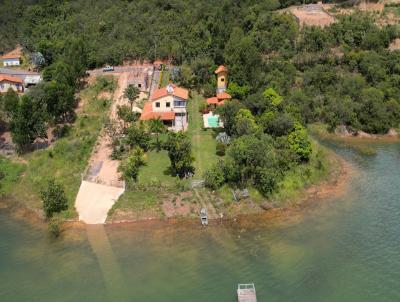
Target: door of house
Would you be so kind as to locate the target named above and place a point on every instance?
(180, 121)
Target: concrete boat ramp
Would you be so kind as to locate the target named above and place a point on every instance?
(95, 200)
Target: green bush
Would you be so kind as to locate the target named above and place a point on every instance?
(220, 149)
(214, 178)
(54, 198)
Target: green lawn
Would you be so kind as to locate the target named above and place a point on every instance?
(67, 158)
(10, 173)
(203, 143)
(156, 169)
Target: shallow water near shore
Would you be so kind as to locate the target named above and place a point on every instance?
(345, 249)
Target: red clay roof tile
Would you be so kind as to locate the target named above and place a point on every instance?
(177, 91)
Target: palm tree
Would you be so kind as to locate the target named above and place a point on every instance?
(131, 93)
(157, 126)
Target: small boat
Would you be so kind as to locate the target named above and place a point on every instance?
(203, 217)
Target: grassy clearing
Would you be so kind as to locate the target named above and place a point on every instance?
(164, 78)
(67, 158)
(10, 173)
(156, 169)
(203, 143)
(138, 200)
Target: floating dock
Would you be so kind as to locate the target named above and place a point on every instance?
(246, 293)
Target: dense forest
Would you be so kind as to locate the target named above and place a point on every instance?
(340, 75)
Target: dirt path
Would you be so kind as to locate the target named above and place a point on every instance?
(102, 185)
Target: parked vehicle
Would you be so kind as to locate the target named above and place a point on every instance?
(108, 68)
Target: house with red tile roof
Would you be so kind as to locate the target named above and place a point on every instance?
(169, 105)
(7, 82)
(12, 58)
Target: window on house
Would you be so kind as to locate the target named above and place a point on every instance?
(140, 85)
(167, 104)
(222, 79)
(158, 104)
(179, 104)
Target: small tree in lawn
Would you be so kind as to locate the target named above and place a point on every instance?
(54, 198)
(179, 150)
(131, 93)
(157, 126)
(130, 166)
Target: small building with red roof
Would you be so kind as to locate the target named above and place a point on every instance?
(218, 100)
(169, 105)
(7, 82)
(12, 58)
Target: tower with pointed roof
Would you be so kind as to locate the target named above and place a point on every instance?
(222, 78)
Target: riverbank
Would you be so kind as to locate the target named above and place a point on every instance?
(321, 131)
(244, 213)
(333, 185)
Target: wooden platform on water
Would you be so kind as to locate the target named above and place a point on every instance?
(246, 293)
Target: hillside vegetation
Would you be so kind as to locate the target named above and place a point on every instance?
(342, 74)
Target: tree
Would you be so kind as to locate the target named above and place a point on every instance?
(54, 198)
(130, 166)
(242, 57)
(266, 180)
(272, 98)
(214, 177)
(179, 150)
(136, 136)
(245, 123)
(27, 124)
(299, 142)
(10, 102)
(248, 153)
(157, 127)
(131, 93)
(125, 113)
(228, 113)
(237, 91)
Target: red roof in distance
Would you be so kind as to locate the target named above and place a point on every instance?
(8, 78)
(221, 68)
(14, 54)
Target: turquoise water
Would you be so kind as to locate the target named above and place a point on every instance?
(345, 249)
(213, 121)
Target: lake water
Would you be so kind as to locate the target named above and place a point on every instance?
(346, 249)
